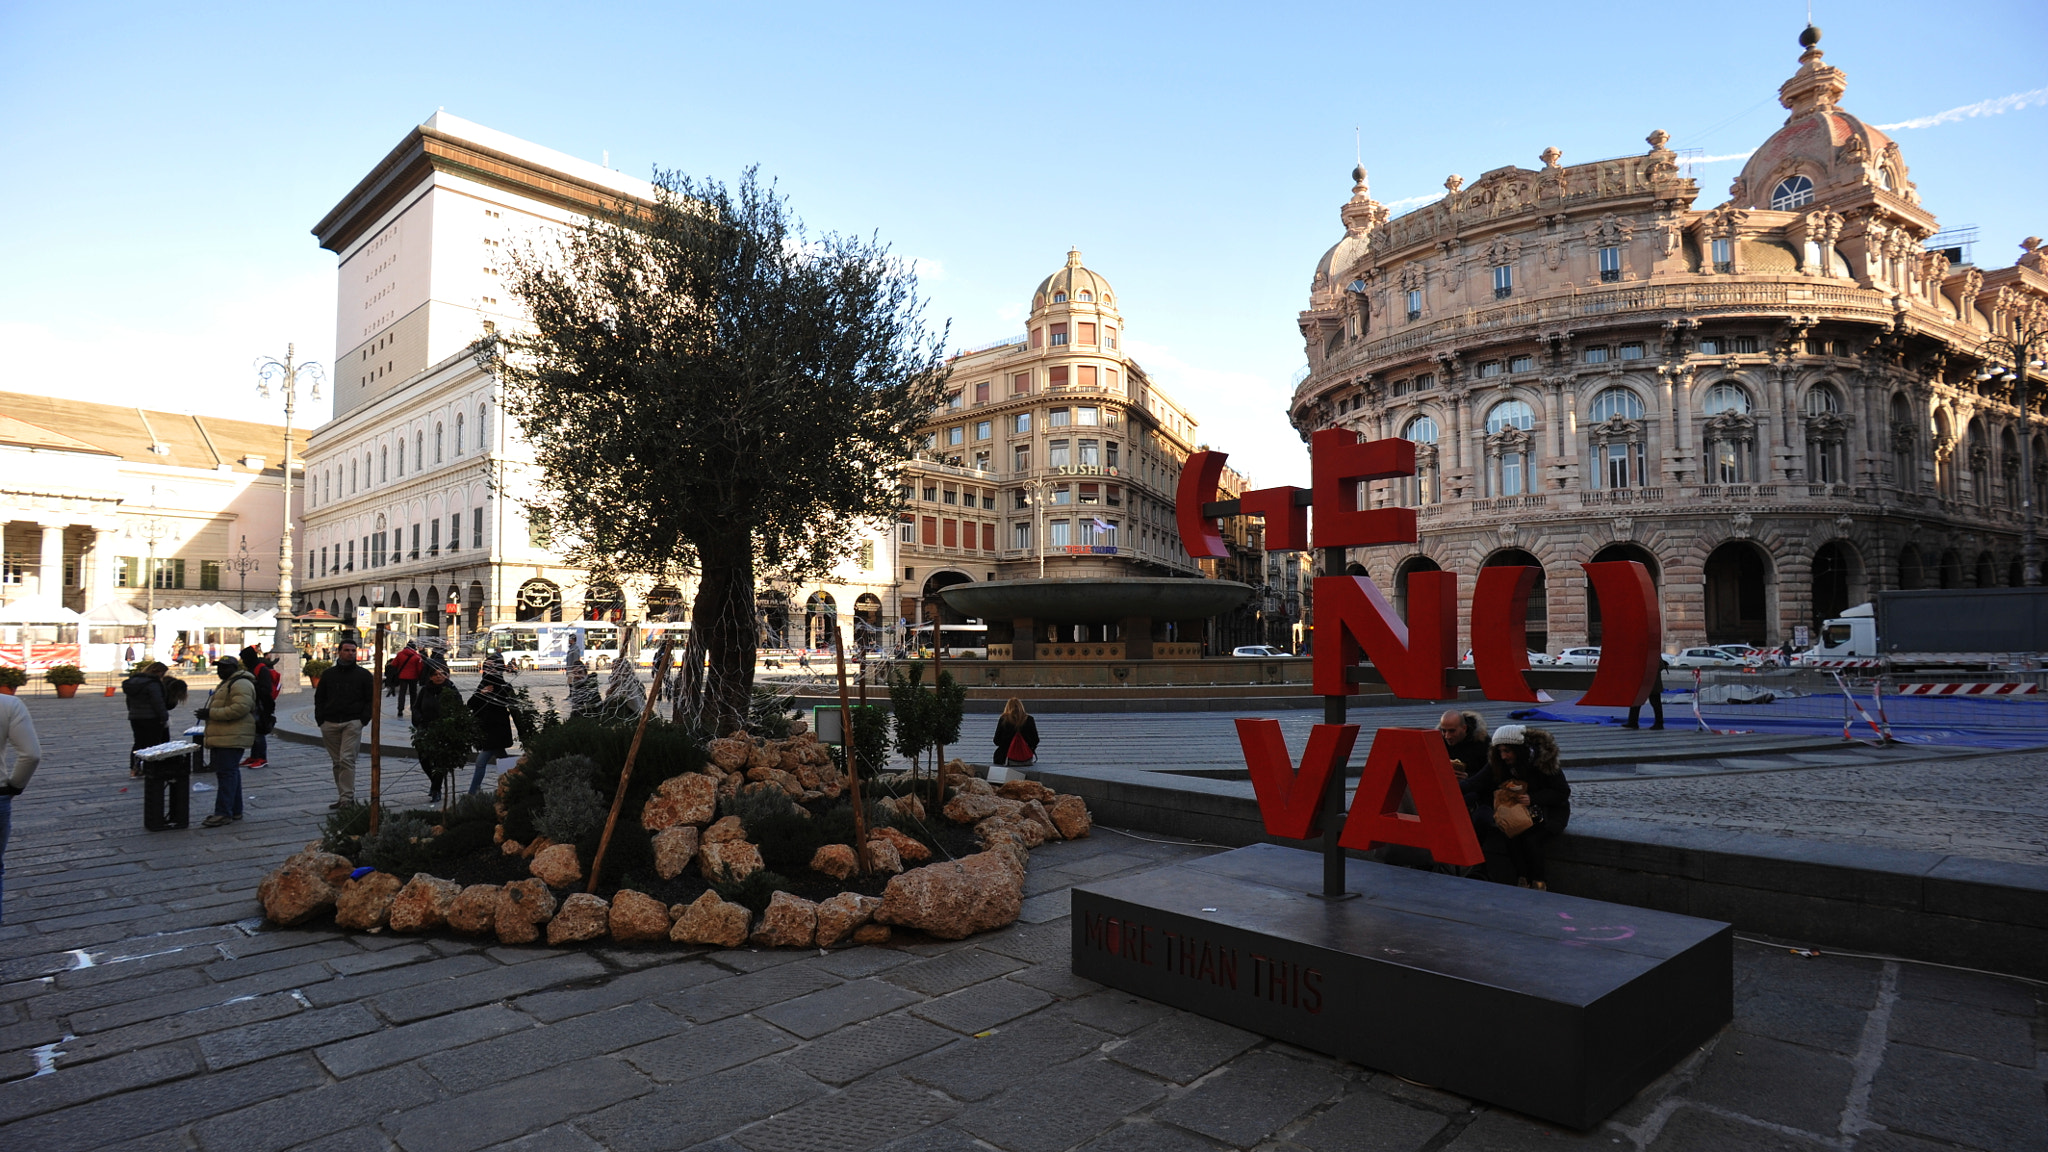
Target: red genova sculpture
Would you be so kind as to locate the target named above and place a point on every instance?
(1355, 623)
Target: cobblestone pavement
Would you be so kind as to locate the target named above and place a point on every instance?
(1990, 807)
(142, 1008)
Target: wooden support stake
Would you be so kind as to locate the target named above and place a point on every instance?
(626, 770)
(852, 746)
(377, 730)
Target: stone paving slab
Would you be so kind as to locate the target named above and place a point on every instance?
(163, 1015)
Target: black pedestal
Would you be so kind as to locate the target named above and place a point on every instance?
(1554, 1006)
(167, 793)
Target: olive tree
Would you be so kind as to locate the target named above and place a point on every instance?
(707, 387)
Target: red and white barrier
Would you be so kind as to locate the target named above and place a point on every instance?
(1841, 663)
(1966, 689)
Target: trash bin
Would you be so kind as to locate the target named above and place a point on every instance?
(167, 783)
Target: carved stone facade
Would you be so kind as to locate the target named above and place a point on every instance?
(1771, 402)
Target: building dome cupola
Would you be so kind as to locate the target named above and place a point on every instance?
(1823, 155)
(1073, 284)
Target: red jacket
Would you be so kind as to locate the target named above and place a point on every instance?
(407, 664)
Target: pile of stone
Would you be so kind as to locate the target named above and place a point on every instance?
(948, 899)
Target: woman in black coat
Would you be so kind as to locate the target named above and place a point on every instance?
(1521, 773)
(1015, 722)
(149, 713)
(491, 705)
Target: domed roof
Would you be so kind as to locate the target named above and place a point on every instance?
(1837, 153)
(1072, 280)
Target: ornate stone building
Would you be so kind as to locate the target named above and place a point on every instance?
(1772, 402)
(1053, 453)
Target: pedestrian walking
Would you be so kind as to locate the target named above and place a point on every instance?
(492, 706)
(341, 706)
(1518, 805)
(18, 732)
(406, 668)
(1016, 736)
(1635, 714)
(149, 710)
(267, 684)
(230, 716)
(437, 698)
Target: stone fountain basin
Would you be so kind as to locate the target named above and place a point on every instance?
(1103, 601)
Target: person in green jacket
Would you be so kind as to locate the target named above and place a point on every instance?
(230, 716)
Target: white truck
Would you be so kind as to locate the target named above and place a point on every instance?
(1949, 629)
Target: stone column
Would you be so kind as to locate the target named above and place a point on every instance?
(99, 567)
(50, 571)
(1024, 640)
(1137, 632)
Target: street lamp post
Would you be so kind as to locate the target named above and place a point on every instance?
(1038, 487)
(287, 374)
(152, 529)
(242, 564)
(2022, 348)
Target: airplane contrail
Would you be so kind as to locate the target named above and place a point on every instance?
(2002, 104)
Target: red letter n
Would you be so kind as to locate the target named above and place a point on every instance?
(1354, 619)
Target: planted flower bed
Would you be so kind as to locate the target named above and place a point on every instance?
(731, 841)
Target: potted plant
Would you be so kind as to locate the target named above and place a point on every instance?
(11, 678)
(313, 669)
(66, 678)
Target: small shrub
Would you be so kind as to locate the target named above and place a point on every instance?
(342, 832)
(315, 668)
(463, 840)
(402, 845)
(11, 677)
(471, 808)
(758, 807)
(571, 807)
(769, 714)
(754, 892)
(61, 674)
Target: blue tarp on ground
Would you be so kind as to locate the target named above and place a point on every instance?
(1966, 721)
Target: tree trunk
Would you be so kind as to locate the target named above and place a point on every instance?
(718, 676)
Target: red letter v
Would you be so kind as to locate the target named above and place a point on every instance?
(1290, 801)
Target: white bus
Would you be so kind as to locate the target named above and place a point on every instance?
(962, 640)
(536, 645)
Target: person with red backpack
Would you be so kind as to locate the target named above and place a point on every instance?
(405, 668)
(267, 685)
(1016, 736)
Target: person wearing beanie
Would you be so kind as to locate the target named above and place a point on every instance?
(267, 683)
(1519, 804)
(230, 716)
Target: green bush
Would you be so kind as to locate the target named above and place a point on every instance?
(472, 808)
(870, 736)
(666, 750)
(315, 668)
(769, 714)
(446, 744)
(402, 845)
(755, 891)
(342, 832)
(61, 674)
(11, 677)
(571, 805)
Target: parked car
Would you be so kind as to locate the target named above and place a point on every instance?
(1712, 658)
(1579, 657)
(1536, 659)
(1742, 651)
(1258, 651)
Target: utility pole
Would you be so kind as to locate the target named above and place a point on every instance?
(287, 373)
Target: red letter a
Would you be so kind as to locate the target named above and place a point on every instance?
(1417, 759)
(1290, 802)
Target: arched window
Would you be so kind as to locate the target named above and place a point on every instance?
(384, 463)
(1729, 434)
(1421, 431)
(482, 430)
(437, 443)
(1792, 192)
(1059, 297)
(1614, 402)
(419, 450)
(1616, 439)
(458, 433)
(1902, 465)
(1726, 397)
(1508, 465)
(1826, 434)
(1085, 296)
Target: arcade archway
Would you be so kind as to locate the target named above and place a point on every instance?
(1537, 636)
(1838, 582)
(1736, 580)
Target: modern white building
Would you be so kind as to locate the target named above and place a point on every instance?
(413, 488)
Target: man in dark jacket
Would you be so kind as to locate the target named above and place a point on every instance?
(1464, 736)
(341, 706)
(492, 707)
(149, 714)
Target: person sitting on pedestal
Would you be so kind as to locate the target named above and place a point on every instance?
(1519, 804)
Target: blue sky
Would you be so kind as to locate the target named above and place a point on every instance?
(165, 164)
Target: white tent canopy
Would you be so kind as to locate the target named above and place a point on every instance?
(116, 612)
(37, 610)
(190, 616)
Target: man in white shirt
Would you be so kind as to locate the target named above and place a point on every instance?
(18, 732)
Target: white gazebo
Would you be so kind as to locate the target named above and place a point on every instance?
(37, 633)
(111, 628)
